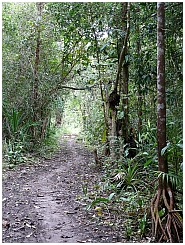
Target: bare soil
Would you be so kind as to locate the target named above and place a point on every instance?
(42, 202)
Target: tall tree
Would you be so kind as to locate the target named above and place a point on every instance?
(166, 228)
(161, 98)
(125, 72)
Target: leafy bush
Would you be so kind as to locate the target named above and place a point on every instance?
(13, 153)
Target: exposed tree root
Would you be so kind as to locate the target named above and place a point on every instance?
(166, 226)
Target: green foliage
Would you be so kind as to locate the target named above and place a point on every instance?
(171, 177)
(84, 189)
(79, 48)
(142, 224)
(97, 201)
(13, 153)
(50, 145)
(128, 177)
(12, 122)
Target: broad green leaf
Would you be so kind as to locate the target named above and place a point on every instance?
(165, 148)
(147, 163)
(98, 200)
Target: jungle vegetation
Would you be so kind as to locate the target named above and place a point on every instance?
(94, 69)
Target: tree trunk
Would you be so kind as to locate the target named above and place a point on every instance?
(113, 134)
(121, 83)
(36, 67)
(139, 113)
(125, 103)
(140, 97)
(161, 100)
(167, 226)
(125, 72)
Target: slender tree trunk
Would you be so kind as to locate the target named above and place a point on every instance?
(125, 17)
(113, 134)
(140, 97)
(139, 113)
(166, 228)
(125, 71)
(125, 103)
(161, 100)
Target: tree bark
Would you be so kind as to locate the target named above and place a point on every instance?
(121, 84)
(167, 227)
(125, 18)
(140, 97)
(125, 71)
(161, 100)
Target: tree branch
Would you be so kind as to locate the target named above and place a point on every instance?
(73, 88)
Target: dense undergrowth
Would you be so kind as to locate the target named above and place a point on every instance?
(62, 82)
(20, 149)
(127, 185)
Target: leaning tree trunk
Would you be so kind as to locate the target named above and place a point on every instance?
(166, 226)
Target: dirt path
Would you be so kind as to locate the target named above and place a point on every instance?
(41, 201)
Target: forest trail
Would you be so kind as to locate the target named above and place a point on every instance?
(42, 204)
